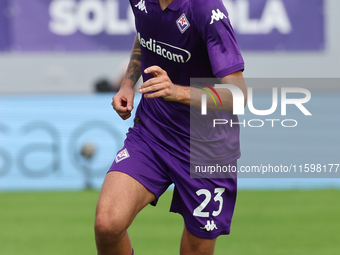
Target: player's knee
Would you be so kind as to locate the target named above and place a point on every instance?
(108, 226)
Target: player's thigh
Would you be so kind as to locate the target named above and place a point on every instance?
(193, 245)
(120, 199)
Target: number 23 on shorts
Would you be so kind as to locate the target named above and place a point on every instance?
(199, 211)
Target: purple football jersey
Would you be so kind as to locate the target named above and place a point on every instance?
(189, 39)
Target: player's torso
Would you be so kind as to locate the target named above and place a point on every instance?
(170, 39)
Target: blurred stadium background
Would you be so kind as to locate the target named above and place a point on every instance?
(60, 62)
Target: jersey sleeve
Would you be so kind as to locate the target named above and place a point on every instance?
(213, 24)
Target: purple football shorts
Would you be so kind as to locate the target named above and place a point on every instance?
(207, 205)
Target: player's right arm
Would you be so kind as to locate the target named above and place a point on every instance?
(122, 102)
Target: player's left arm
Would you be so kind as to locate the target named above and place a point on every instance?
(161, 86)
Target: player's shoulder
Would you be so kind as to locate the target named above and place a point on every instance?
(204, 10)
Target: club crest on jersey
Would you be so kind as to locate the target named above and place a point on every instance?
(124, 154)
(183, 23)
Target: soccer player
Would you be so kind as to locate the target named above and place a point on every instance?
(176, 40)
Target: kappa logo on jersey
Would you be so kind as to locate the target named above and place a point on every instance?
(217, 15)
(210, 226)
(141, 6)
(124, 154)
(183, 23)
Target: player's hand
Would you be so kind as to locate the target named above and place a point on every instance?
(122, 102)
(159, 86)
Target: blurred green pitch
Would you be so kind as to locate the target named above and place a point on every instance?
(265, 222)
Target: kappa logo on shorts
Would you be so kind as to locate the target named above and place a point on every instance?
(124, 154)
(183, 23)
(210, 226)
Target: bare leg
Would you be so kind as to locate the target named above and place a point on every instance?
(193, 245)
(120, 199)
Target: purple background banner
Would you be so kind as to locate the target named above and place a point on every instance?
(102, 25)
(72, 25)
(4, 25)
(280, 24)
